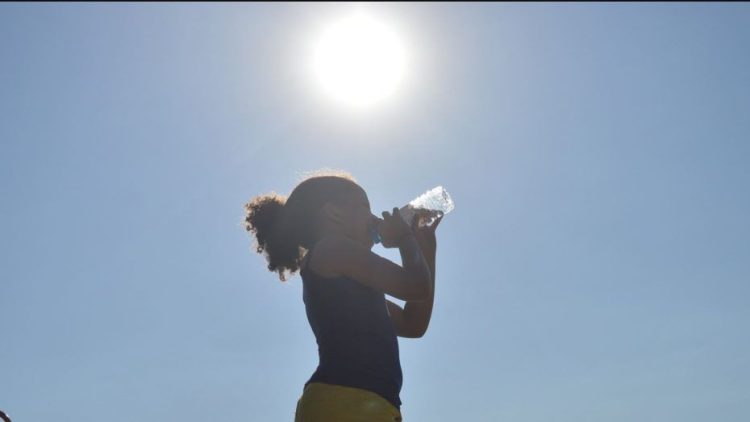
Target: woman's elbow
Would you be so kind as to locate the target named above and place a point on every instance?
(418, 332)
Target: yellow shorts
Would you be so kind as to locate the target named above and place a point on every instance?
(322, 402)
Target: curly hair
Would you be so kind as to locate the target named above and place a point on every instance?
(285, 227)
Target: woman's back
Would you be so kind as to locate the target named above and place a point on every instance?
(357, 344)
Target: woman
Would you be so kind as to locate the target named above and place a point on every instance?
(325, 230)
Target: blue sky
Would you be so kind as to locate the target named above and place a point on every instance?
(595, 267)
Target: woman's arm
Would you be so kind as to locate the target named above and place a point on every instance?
(337, 255)
(412, 321)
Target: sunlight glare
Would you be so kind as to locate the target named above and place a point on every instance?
(359, 61)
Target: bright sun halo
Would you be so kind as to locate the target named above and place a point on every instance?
(359, 61)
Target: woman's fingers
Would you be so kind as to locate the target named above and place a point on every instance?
(437, 221)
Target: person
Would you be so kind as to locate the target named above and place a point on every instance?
(324, 229)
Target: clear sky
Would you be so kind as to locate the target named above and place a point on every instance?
(596, 266)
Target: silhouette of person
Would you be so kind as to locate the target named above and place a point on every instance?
(325, 230)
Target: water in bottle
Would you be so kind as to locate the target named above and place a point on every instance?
(430, 206)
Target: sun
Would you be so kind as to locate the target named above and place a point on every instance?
(359, 61)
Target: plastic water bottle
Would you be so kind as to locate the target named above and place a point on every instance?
(436, 201)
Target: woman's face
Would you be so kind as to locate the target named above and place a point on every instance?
(359, 219)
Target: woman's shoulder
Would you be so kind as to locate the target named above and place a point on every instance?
(321, 257)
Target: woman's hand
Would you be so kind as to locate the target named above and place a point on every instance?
(425, 234)
(392, 229)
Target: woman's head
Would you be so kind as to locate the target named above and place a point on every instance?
(324, 204)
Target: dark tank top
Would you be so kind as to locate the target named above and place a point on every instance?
(357, 345)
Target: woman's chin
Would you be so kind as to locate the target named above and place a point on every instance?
(368, 243)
